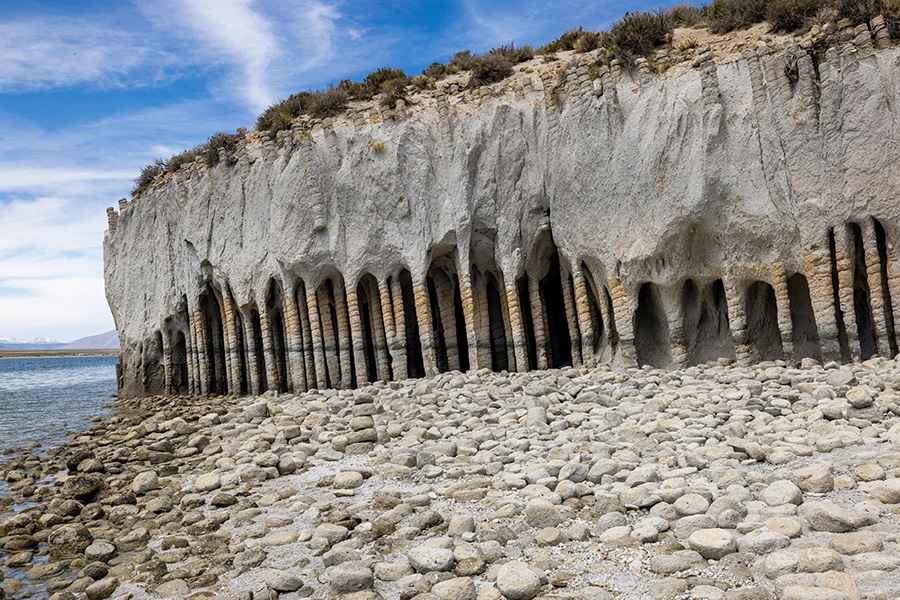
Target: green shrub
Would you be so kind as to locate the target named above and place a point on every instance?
(639, 33)
(327, 103)
(790, 15)
(376, 79)
(148, 174)
(490, 68)
(437, 71)
(278, 117)
(393, 90)
(513, 54)
(685, 15)
(462, 61)
(858, 11)
(183, 158)
(723, 16)
(220, 141)
(590, 40)
(564, 42)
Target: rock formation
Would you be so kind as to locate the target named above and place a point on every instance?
(740, 207)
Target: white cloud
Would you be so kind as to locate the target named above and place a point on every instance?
(56, 51)
(14, 178)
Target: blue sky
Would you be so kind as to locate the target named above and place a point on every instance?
(91, 91)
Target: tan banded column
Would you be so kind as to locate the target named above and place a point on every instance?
(359, 352)
(345, 339)
(272, 367)
(253, 381)
(507, 326)
(167, 360)
(677, 341)
(845, 289)
(572, 318)
(517, 325)
(294, 342)
(880, 312)
(232, 348)
(390, 325)
(382, 357)
(735, 291)
(203, 352)
(444, 292)
(783, 303)
(474, 334)
(309, 359)
(426, 329)
(318, 344)
(400, 368)
(189, 343)
(538, 320)
(623, 313)
(817, 267)
(584, 316)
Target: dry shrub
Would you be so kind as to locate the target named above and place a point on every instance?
(639, 33)
(723, 16)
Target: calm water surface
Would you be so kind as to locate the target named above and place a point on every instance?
(43, 398)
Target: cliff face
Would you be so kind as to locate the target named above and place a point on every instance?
(725, 174)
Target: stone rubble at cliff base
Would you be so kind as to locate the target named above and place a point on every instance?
(716, 481)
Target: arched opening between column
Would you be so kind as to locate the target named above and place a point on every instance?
(179, 363)
(369, 313)
(763, 334)
(241, 354)
(496, 326)
(522, 288)
(862, 296)
(258, 351)
(805, 333)
(598, 329)
(277, 334)
(843, 341)
(415, 364)
(651, 329)
(705, 325)
(888, 301)
(214, 331)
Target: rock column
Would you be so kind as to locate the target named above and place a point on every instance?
(189, 343)
(444, 291)
(583, 315)
(363, 435)
(623, 313)
(312, 305)
(845, 289)
(399, 342)
(232, 343)
(737, 319)
(517, 326)
(359, 352)
(309, 358)
(474, 333)
(344, 342)
(539, 322)
(481, 344)
(677, 340)
(507, 326)
(783, 302)
(817, 265)
(167, 361)
(423, 315)
(390, 324)
(250, 351)
(572, 319)
(294, 342)
(272, 366)
(880, 312)
(202, 351)
(382, 356)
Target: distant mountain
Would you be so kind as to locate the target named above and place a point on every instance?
(109, 339)
(102, 341)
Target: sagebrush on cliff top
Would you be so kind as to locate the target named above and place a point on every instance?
(636, 35)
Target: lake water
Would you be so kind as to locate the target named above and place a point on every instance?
(43, 398)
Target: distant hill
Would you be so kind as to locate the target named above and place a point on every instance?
(109, 339)
(102, 341)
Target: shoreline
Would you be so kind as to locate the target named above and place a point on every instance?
(595, 484)
(56, 353)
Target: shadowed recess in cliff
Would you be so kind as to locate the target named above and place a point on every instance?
(805, 333)
(763, 335)
(651, 328)
(862, 296)
(214, 334)
(276, 338)
(887, 298)
(705, 322)
(415, 364)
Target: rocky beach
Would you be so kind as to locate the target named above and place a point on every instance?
(716, 481)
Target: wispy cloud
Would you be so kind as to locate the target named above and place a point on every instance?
(58, 51)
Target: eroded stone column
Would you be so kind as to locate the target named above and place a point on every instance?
(219, 358)
(309, 359)
(272, 366)
(474, 335)
(507, 327)
(539, 321)
(845, 289)
(880, 312)
(481, 327)
(399, 342)
(189, 346)
(423, 316)
(444, 291)
(783, 302)
(345, 341)
(677, 339)
(390, 325)
(517, 325)
(382, 356)
(167, 361)
(817, 267)
(583, 315)
(572, 319)
(253, 381)
(623, 312)
(203, 351)
(359, 352)
(232, 349)
(318, 344)
(294, 342)
(737, 319)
